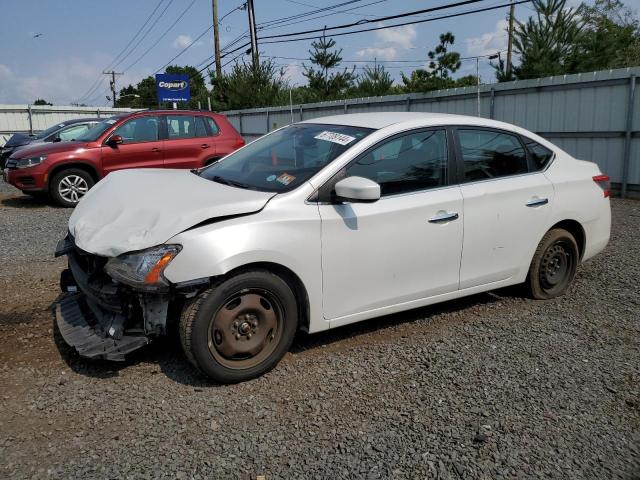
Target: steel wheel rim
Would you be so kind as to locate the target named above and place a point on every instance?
(556, 266)
(72, 188)
(246, 329)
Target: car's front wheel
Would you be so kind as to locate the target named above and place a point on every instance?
(241, 327)
(554, 265)
(69, 186)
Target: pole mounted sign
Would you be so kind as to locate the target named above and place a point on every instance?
(172, 87)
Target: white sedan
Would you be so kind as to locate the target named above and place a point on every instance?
(321, 224)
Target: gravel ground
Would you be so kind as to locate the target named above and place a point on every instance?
(492, 386)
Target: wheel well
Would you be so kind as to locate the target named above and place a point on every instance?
(80, 165)
(292, 280)
(575, 229)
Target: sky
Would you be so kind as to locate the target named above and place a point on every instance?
(57, 50)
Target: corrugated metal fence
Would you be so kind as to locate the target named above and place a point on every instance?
(593, 116)
(35, 118)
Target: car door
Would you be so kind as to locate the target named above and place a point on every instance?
(141, 145)
(506, 205)
(187, 144)
(404, 247)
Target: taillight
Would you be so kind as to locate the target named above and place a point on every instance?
(604, 183)
(239, 143)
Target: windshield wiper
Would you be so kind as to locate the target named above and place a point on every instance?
(232, 183)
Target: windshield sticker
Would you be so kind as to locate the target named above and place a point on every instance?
(335, 137)
(271, 178)
(110, 122)
(285, 179)
(61, 125)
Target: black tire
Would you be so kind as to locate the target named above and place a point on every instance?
(554, 265)
(63, 180)
(220, 323)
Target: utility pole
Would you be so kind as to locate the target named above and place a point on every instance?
(254, 37)
(112, 84)
(510, 42)
(216, 38)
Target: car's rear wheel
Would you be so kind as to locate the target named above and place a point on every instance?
(554, 265)
(69, 186)
(241, 327)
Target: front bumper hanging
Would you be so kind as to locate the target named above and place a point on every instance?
(77, 324)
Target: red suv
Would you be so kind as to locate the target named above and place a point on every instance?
(153, 138)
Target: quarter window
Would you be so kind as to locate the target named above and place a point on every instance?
(407, 163)
(541, 155)
(491, 154)
(213, 126)
(180, 126)
(140, 129)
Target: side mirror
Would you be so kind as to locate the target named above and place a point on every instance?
(357, 190)
(114, 140)
(57, 139)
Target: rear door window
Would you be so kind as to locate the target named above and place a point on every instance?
(201, 129)
(180, 126)
(491, 154)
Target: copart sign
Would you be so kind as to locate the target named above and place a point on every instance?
(172, 87)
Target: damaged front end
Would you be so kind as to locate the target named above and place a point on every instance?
(112, 306)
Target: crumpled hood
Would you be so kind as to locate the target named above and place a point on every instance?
(135, 209)
(19, 139)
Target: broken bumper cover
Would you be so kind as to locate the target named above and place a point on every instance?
(80, 328)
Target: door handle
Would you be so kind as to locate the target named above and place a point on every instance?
(155, 149)
(536, 202)
(204, 145)
(443, 217)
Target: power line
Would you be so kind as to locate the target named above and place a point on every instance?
(184, 49)
(155, 22)
(136, 35)
(162, 36)
(113, 64)
(378, 19)
(268, 23)
(442, 17)
(322, 16)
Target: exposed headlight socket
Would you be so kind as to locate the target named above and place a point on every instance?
(144, 269)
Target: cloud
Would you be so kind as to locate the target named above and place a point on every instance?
(402, 37)
(293, 74)
(488, 43)
(381, 53)
(183, 41)
(60, 81)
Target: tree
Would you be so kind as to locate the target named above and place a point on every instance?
(442, 64)
(441, 60)
(324, 84)
(374, 82)
(41, 101)
(246, 87)
(610, 38)
(143, 95)
(548, 43)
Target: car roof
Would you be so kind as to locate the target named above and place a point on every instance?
(378, 120)
(80, 120)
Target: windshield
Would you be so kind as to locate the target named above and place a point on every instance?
(282, 160)
(50, 130)
(92, 134)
